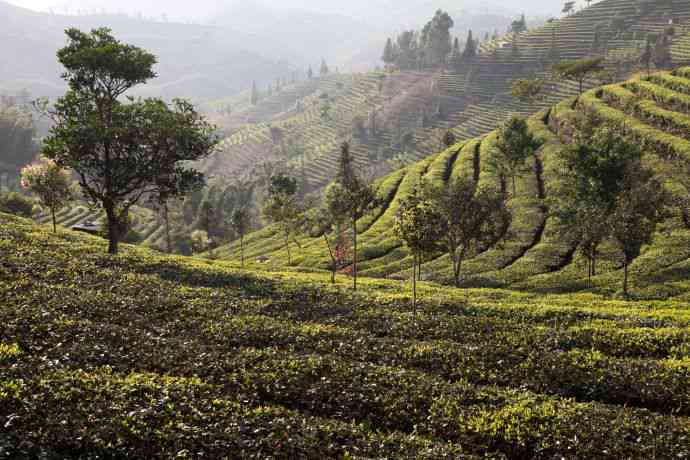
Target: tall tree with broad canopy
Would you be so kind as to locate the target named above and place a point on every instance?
(514, 145)
(50, 183)
(471, 219)
(122, 150)
(359, 197)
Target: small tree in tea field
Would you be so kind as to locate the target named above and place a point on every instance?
(50, 183)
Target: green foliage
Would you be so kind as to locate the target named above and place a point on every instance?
(18, 147)
(528, 89)
(50, 183)
(281, 207)
(121, 151)
(159, 356)
(471, 220)
(578, 70)
(514, 145)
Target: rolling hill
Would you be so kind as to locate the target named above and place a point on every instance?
(422, 105)
(651, 110)
(143, 356)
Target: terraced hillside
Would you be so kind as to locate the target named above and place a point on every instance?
(407, 112)
(652, 110)
(145, 223)
(142, 356)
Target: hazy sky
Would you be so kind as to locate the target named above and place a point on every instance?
(202, 9)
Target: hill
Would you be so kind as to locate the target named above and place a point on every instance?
(650, 110)
(142, 356)
(402, 115)
(197, 62)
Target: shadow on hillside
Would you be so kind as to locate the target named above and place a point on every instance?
(206, 277)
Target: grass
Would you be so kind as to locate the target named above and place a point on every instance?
(149, 356)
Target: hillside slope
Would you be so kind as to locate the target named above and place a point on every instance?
(406, 113)
(534, 257)
(142, 356)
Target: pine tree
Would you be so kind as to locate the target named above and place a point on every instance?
(389, 53)
(324, 68)
(470, 48)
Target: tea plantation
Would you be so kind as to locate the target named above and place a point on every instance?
(144, 356)
(652, 110)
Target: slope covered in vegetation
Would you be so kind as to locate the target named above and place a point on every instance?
(650, 110)
(404, 113)
(144, 356)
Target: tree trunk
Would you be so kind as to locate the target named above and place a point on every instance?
(354, 239)
(594, 263)
(582, 80)
(334, 261)
(166, 218)
(242, 251)
(113, 233)
(625, 280)
(287, 246)
(456, 270)
(52, 212)
(414, 286)
(514, 187)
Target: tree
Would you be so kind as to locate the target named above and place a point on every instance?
(578, 70)
(310, 73)
(323, 71)
(640, 207)
(240, 222)
(435, 38)
(455, 58)
(122, 151)
(408, 51)
(568, 7)
(281, 207)
(648, 55)
(389, 55)
(470, 48)
(661, 54)
(518, 26)
(514, 145)
(471, 219)
(420, 227)
(200, 241)
(50, 183)
(527, 89)
(17, 132)
(594, 167)
(330, 220)
(449, 139)
(358, 196)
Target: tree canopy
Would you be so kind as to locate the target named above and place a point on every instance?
(122, 150)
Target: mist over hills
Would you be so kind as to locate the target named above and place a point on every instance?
(235, 42)
(194, 61)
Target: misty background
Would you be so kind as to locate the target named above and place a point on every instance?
(215, 48)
